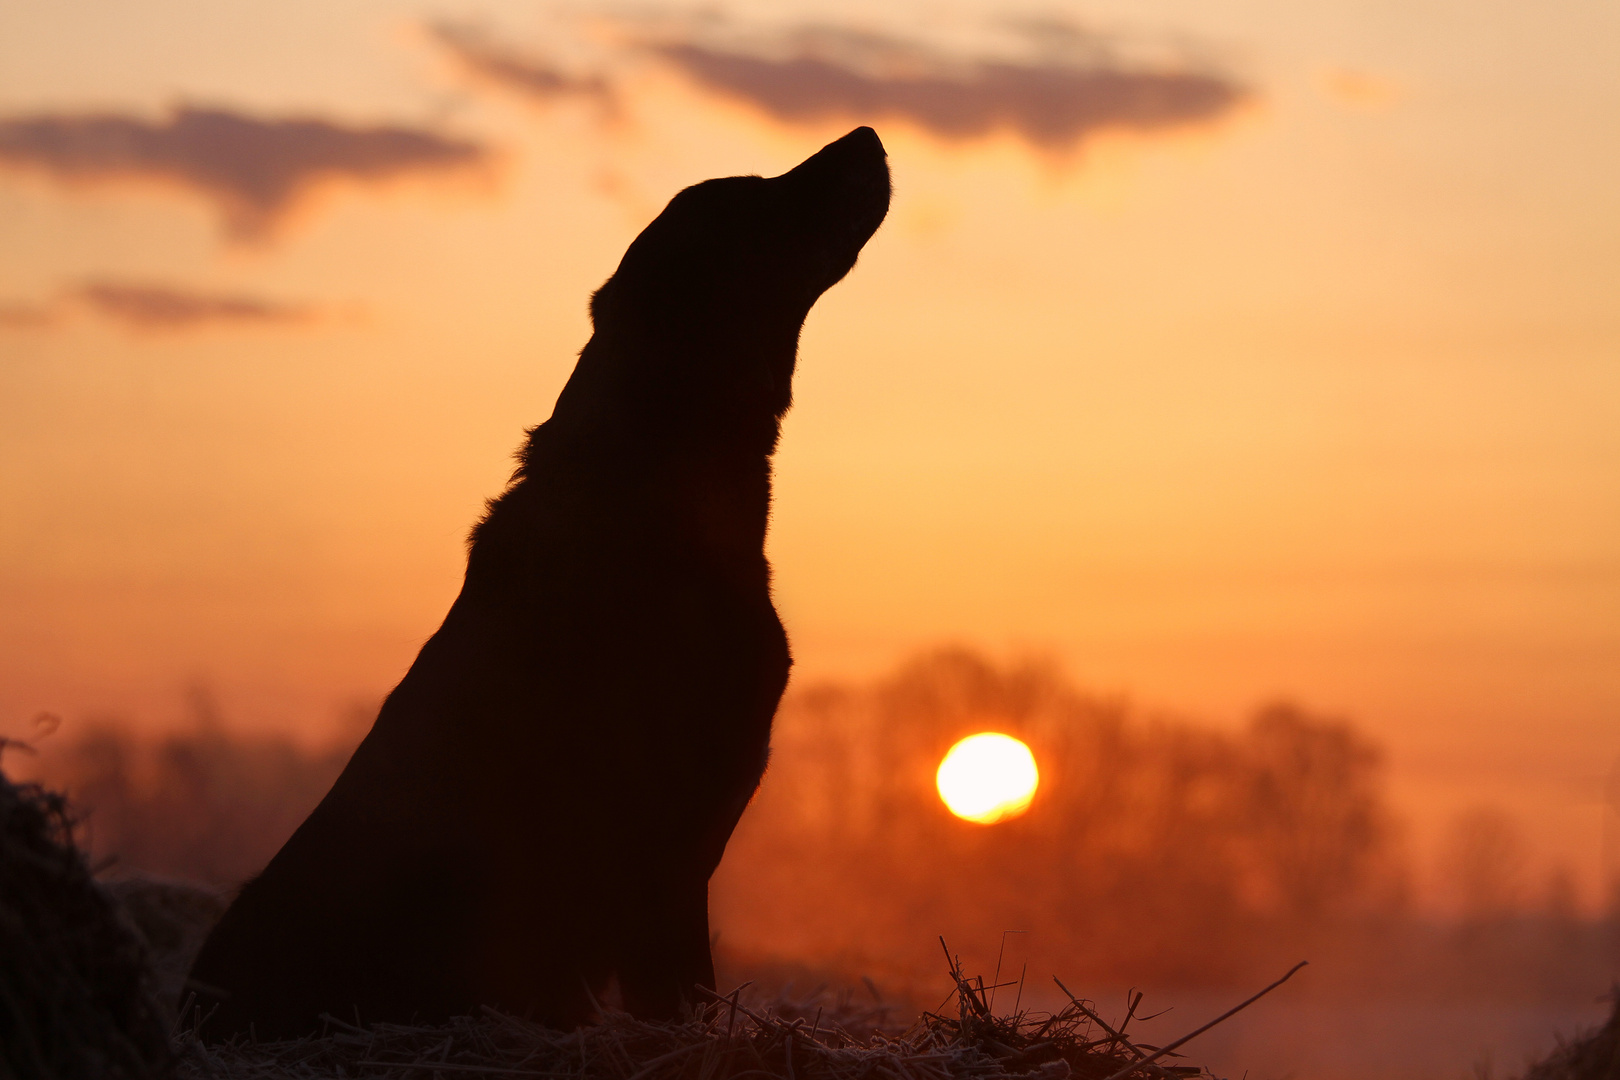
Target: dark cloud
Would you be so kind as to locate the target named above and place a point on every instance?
(1071, 87)
(506, 68)
(162, 307)
(254, 169)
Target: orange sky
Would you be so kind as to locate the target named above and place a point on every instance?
(1316, 394)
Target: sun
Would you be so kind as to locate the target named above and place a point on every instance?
(988, 777)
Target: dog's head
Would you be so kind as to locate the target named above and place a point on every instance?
(708, 301)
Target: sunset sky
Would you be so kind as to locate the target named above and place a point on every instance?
(1224, 351)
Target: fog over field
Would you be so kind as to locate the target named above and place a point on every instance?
(1158, 853)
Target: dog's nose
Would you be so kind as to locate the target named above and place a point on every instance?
(863, 141)
(858, 153)
(850, 177)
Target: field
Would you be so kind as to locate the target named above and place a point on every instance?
(1161, 857)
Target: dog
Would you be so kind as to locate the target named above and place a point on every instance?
(539, 806)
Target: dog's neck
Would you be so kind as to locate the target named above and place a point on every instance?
(692, 469)
(644, 399)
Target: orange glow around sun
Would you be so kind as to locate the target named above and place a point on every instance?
(988, 777)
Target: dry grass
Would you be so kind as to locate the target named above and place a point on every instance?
(137, 936)
(76, 999)
(1593, 1056)
(725, 1039)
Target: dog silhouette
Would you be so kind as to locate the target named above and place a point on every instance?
(538, 808)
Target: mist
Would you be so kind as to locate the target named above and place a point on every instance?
(1192, 861)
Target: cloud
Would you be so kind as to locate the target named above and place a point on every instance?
(1049, 81)
(253, 169)
(1073, 86)
(511, 70)
(162, 307)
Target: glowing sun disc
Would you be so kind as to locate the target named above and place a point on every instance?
(987, 778)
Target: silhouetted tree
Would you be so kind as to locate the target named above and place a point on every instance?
(1317, 826)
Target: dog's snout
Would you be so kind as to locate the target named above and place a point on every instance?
(849, 179)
